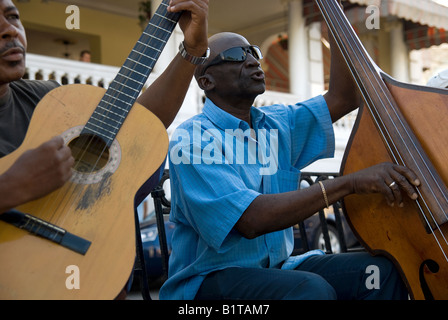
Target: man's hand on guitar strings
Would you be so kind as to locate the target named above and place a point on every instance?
(389, 179)
(42, 170)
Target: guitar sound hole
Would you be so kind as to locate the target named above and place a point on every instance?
(90, 152)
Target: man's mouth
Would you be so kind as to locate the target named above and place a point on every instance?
(258, 75)
(13, 55)
(12, 51)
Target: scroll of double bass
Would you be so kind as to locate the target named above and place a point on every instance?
(407, 125)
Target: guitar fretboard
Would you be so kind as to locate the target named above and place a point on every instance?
(122, 93)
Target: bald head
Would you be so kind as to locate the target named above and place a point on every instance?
(218, 43)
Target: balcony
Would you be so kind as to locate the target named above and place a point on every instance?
(67, 71)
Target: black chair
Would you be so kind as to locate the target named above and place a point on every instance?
(162, 207)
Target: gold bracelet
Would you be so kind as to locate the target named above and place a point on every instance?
(324, 193)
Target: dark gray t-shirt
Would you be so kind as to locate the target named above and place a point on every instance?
(16, 109)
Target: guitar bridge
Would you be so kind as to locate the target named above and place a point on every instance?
(46, 230)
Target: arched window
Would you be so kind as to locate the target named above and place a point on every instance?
(276, 65)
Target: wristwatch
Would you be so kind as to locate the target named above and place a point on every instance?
(192, 59)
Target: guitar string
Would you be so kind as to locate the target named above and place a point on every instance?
(389, 140)
(73, 186)
(421, 196)
(434, 220)
(117, 91)
(397, 152)
(378, 127)
(374, 72)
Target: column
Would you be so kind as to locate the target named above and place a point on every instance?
(32, 73)
(299, 72)
(416, 65)
(46, 74)
(70, 77)
(58, 75)
(316, 64)
(399, 53)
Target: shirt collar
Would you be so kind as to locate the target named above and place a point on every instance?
(258, 117)
(225, 120)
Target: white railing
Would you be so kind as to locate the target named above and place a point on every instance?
(67, 71)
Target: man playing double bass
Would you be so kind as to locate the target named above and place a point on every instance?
(233, 237)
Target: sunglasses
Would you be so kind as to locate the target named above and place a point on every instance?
(235, 54)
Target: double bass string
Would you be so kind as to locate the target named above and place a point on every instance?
(390, 140)
(379, 82)
(397, 151)
(395, 154)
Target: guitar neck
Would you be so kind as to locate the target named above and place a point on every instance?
(122, 93)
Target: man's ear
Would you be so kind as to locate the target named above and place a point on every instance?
(206, 82)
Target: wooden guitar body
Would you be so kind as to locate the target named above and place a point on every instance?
(97, 206)
(401, 233)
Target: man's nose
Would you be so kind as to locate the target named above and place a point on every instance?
(251, 60)
(7, 30)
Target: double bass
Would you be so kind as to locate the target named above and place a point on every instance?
(407, 125)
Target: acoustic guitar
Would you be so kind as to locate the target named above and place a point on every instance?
(79, 241)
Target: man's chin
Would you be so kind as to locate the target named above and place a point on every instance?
(12, 72)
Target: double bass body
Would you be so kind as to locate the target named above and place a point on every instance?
(403, 233)
(406, 125)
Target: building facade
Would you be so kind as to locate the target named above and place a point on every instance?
(407, 40)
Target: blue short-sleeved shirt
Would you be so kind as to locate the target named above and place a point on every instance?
(218, 166)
